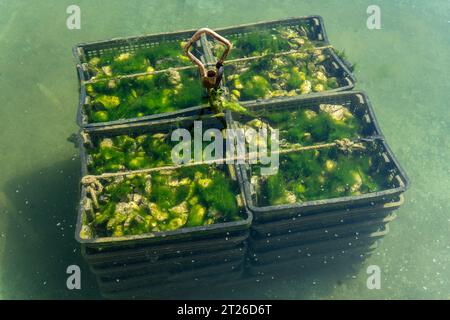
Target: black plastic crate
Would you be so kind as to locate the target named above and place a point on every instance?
(153, 254)
(272, 213)
(316, 248)
(295, 239)
(314, 26)
(355, 101)
(170, 239)
(170, 266)
(334, 66)
(294, 268)
(216, 273)
(324, 220)
(359, 104)
(83, 52)
(189, 110)
(178, 289)
(89, 137)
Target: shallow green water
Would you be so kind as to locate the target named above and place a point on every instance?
(403, 67)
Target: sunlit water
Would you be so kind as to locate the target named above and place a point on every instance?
(403, 67)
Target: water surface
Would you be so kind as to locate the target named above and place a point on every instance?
(403, 67)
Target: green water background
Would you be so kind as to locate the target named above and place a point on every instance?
(404, 67)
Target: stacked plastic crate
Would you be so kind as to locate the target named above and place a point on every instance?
(125, 264)
(304, 232)
(315, 231)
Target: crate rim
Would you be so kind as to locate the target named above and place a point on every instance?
(367, 238)
(350, 227)
(83, 45)
(100, 257)
(288, 19)
(233, 252)
(388, 208)
(182, 32)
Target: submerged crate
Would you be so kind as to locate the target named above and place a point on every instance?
(120, 244)
(163, 46)
(294, 268)
(166, 94)
(216, 273)
(177, 287)
(396, 184)
(285, 75)
(294, 239)
(370, 137)
(132, 86)
(312, 120)
(131, 63)
(313, 28)
(319, 248)
(136, 146)
(296, 47)
(253, 277)
(174, 264)
(152, 254)
(324, 220)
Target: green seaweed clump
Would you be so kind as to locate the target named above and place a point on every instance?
(162, 56)
(308, 126)
(140, 150)
(219, 103)
(321, 174)
(268, 41)
(126, 152)
(144, 95)
(160, 201)
(286, 75)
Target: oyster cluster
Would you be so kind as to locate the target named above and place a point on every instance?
(158, 57)
(283, 76)
(323, 123)
(161, 201)
(129, 152)
(142, 95)
(262, 42)
(319, 174)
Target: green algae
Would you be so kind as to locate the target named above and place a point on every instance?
(257, 42)
(281, 76)
(322, 174)
(307, 126)
(135, 151)
(158, 57)
(144, 95)
(166, 200)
